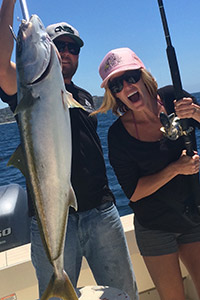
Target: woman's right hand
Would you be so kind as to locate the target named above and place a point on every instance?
(148, 185)
(187, 165)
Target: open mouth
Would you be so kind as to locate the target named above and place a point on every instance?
(134, 97)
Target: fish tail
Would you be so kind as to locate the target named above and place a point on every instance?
(61, 288)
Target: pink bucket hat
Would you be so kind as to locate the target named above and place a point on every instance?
(117, 60)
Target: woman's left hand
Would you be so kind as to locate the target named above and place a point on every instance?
(185, 108)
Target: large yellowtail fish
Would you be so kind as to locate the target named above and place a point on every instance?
(45, 154)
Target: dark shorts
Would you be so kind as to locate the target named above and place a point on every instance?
(157, 242)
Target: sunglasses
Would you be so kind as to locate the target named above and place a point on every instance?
(71, 47)
(117, 84)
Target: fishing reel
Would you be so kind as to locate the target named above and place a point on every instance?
(172, 128)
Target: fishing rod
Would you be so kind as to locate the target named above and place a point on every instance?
(176, 79)
(24, 9)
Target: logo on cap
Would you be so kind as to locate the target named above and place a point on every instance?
(112, 61)
(64, 28)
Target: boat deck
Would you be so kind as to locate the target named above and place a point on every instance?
(18, 280)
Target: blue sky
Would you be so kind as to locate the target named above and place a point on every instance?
(109, 24)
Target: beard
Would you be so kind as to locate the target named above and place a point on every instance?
(68, 70)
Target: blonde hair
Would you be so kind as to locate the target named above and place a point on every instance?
(116, 105)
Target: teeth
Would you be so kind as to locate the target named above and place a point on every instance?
(132, 94)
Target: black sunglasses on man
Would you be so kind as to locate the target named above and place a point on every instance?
(71, 47)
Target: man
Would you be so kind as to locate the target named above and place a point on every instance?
(95, 230)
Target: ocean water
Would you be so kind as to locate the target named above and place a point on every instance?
(9, 140)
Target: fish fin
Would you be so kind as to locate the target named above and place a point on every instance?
(17, 160)
(70, 101)
(72, 199)
(61, 288)
(26, 102)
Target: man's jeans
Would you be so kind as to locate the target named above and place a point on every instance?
(98, 235)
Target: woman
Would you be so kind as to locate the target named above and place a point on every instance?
(153, 170)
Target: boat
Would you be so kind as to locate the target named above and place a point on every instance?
(17, 275)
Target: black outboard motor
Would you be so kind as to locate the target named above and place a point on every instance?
(14, 219)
